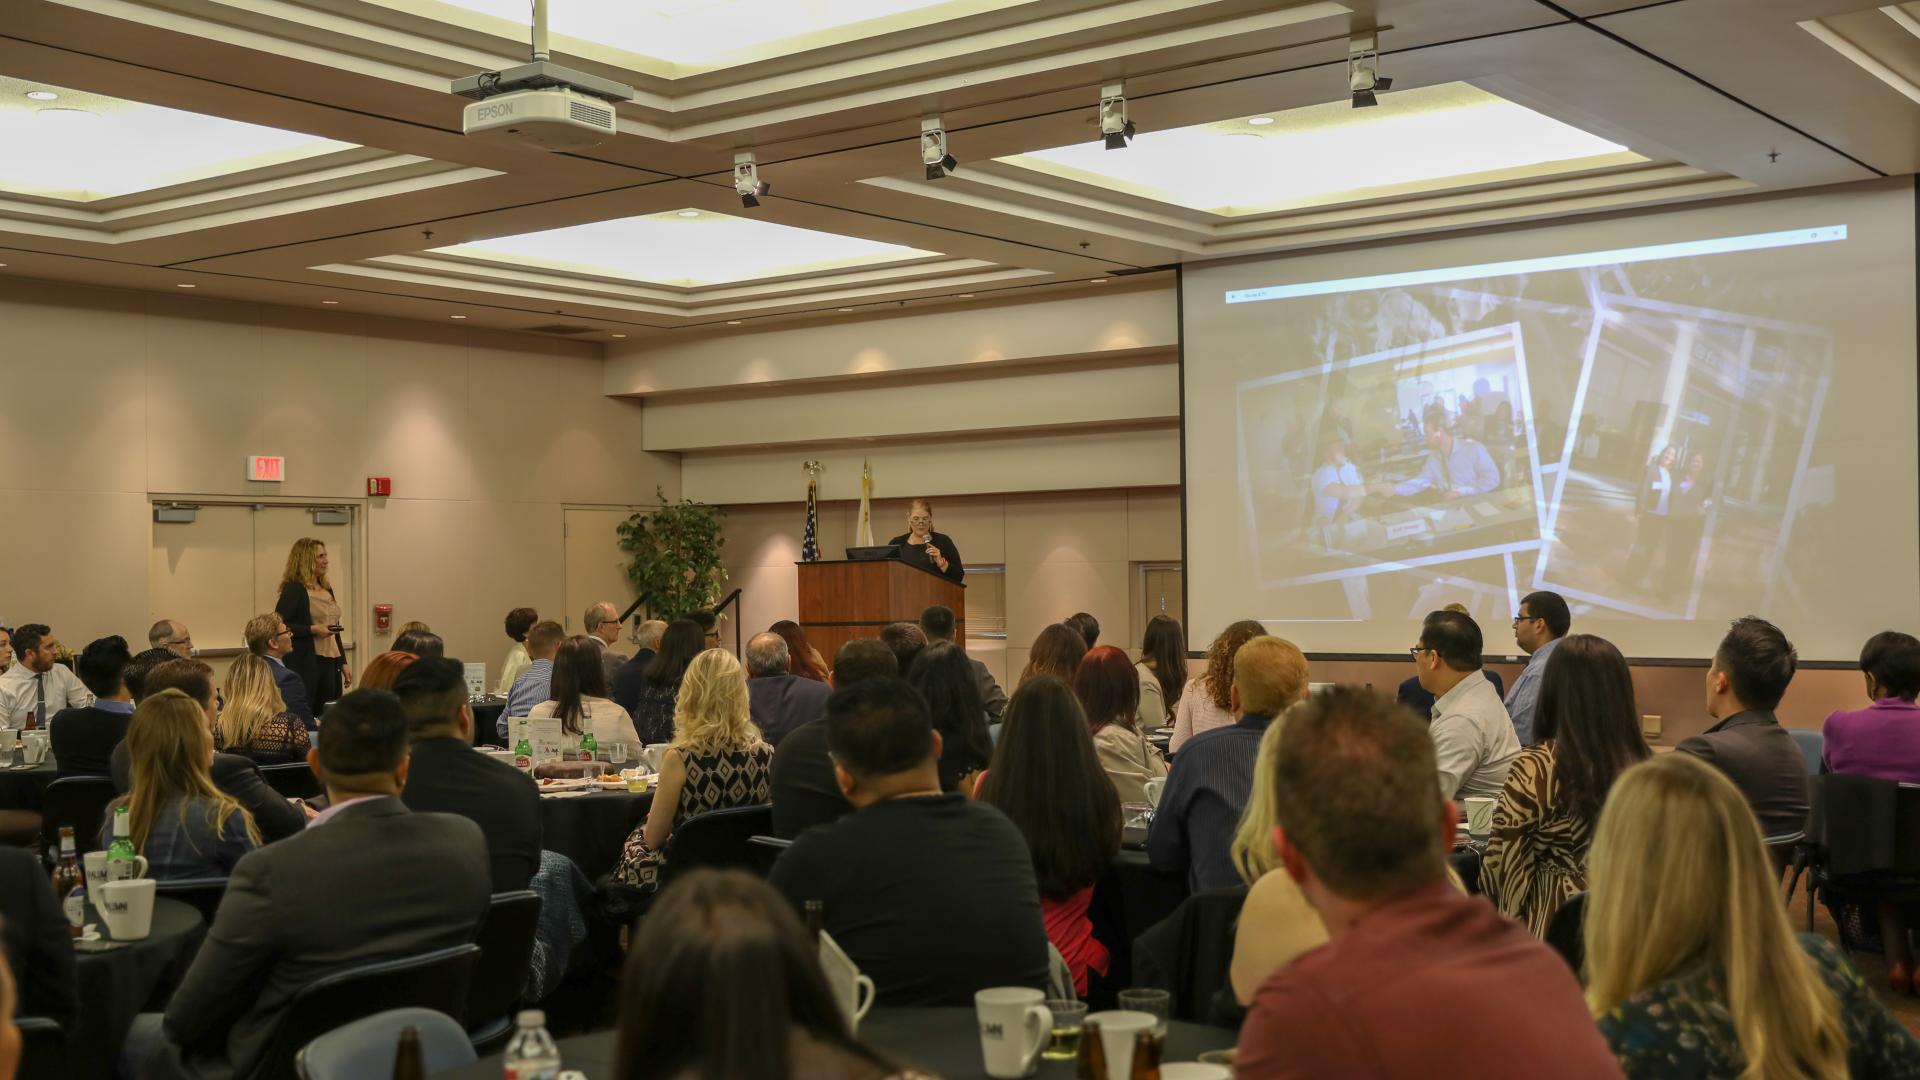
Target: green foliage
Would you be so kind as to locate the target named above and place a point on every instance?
(675, 556)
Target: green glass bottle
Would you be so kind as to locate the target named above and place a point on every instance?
(120, 854)
(588, 746)
(523, 755)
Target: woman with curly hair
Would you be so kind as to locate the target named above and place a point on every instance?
(1204, 701)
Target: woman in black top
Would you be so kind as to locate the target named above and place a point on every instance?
(927, 549)
(946, 680)
(660, 689)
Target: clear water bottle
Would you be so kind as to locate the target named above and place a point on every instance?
(532, 1053)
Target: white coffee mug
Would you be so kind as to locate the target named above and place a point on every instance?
(1480, 815)
(36, 746)
(1014, 1027)
(1117, 1030)
(851, 989)
(127, 906)
(1155, 785)
(95, 865)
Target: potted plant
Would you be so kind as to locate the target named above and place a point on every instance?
(674, 556)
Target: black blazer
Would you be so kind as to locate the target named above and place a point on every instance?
(375, 882)
(1764, 762)
(296, 611)
(293, 690)
(448, 777)
(917, 556)
(238, 776)
(627, 683)
(39, 949)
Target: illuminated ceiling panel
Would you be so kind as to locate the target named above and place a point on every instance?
(686, 248)
(80, 147)
(1423, 139)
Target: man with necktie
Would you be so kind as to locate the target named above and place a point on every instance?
(35, 687)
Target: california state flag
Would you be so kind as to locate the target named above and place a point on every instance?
(866, 504)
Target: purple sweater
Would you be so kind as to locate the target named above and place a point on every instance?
(1882, 740)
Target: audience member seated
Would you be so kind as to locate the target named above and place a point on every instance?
(238, 776)
(580, 698)
(905, 639)
(134, 675)
(625, 688)
(1882, 740)
(723, 980)
(603, 624)
(805, 792)
(1276, 923)
(781, 700)
(1048, 781)
(1110, 696)
(412, 626)
(1418, 979)
(535, 684)
(447, 777)
(254, 722)
(717, 760)
(930, 893)
(1692, 966)
(1748, 677)
(518, 622)
(268, 638)
(1086, 626)
(173, 636)
(1163, 670)
(938, 624)
(1056, 651)
(1542, 621)
(6, 648)
(369, 881)
(1587, 732)
(802, 658)
(423, 644)
(653, 710)
(1473, 737)
(39, 948)
(946, 683)
(1416, 697)
(1212, 779)
(184, 825)
(83, 739)
(385, 670)
(1205, 703)
(35, 688)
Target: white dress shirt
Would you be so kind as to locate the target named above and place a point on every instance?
(1473, 739)
(20, 693)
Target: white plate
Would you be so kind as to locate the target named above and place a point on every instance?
(1193, 1070)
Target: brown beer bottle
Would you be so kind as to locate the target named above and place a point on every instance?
(816, 919)
(407, 1062)
(1091, 1064)
(70, 883)
(1146, 1057)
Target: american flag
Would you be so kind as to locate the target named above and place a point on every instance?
(810, 547)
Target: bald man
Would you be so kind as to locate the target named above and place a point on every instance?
(171, 635)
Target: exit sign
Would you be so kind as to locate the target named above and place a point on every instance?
(270, 469)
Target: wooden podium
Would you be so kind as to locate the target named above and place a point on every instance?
(848, 599)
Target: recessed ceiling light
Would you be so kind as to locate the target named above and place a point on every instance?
(43, 95)
(733, 322)
(689, 213)
(966, 296)
(1099, 281)
(1260, 121)
(619, 335)
(183, 285)
(329, 301)
(456, 316)
(844, 310)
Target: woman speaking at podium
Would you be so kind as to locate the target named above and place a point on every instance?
(923, 547)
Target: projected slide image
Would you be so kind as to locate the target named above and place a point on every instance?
(1418, 454)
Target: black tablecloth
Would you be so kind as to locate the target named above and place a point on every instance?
(590, 828)
(486, 722)
(20, 789)
(945, 1042)
(116, 986)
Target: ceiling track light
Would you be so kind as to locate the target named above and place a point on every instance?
(933, 149)
(746, 179)
(1115, 129)
(1364, 80)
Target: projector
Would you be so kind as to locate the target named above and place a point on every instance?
(541, 106)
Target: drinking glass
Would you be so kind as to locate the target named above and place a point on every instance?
(1157, 1003)
(1069, 1017)
(617, 753)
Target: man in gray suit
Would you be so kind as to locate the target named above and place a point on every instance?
(1747, 679)
(369, 880)
(937, 623)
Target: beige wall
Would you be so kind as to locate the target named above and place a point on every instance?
(108, 398)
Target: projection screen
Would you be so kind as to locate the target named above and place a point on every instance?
(1672, 419)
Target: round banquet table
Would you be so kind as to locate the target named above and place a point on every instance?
(20, 789)
(590, 828)
(944, 1042)
(121, 983)
(486, 721)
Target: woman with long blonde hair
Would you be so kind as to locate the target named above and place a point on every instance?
(1276, 923)
(1692, 967)
(717, 760)
(255, 721)
(182, 823)
(309, 608)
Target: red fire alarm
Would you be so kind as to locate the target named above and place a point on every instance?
(379, 485)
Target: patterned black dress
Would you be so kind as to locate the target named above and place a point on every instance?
(715, 781)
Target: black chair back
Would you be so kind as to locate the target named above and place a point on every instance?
(506, 954)
(721, 839)
(43, 1049)
(292, 780)
(435, 980)
(1567, 932)
(79, 801)
(203, 893)
(1189, 954)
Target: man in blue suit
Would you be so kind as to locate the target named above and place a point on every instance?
(269, 639)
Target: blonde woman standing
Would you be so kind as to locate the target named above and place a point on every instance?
(256, 722)
(182, 823)
(717, 760)
(1692, 967)
(308, 606)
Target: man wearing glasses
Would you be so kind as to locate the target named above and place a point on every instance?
(603, 627)
(173, 636)
(268, 638)
(1542, 622)
(1473, 738)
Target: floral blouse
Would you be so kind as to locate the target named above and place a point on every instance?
(1680, 1029)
